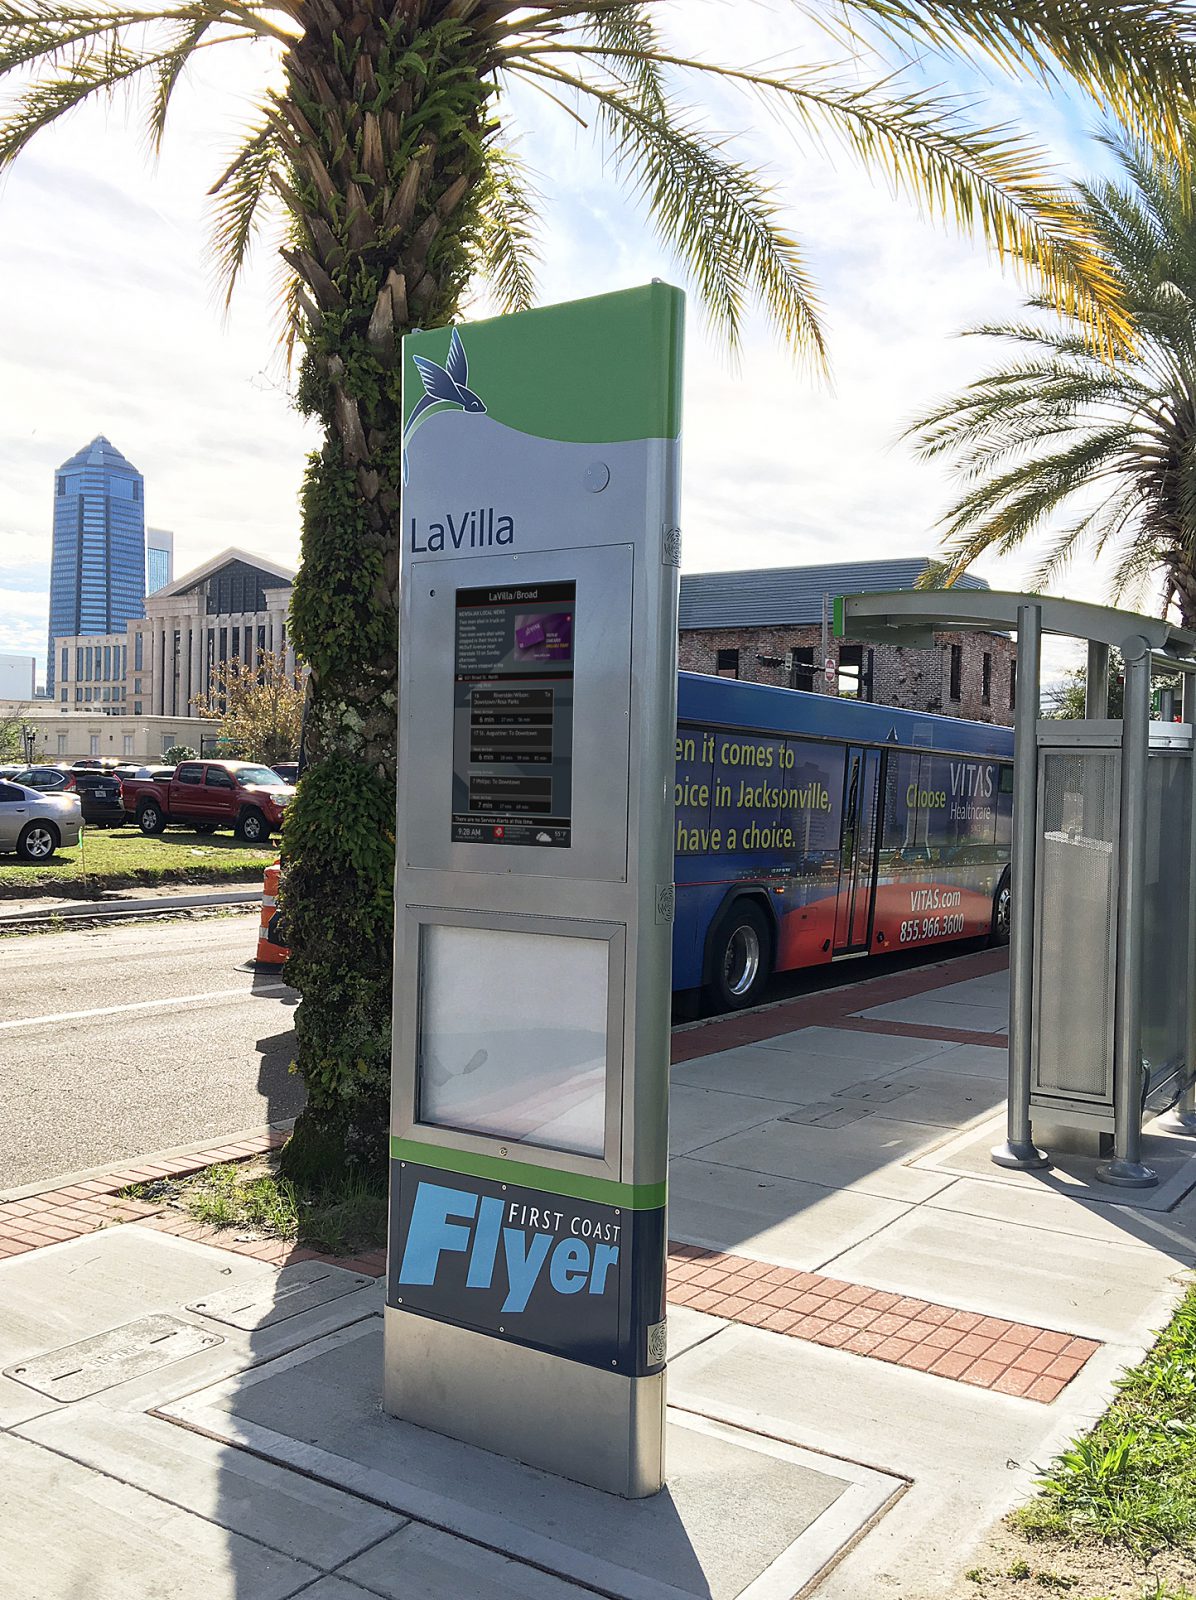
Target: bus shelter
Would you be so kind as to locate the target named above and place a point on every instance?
(1102, 1006)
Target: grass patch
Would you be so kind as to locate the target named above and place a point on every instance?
(342, 1220)
(1131, 1482)
(120, 858)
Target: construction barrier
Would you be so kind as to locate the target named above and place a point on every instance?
(271, 950)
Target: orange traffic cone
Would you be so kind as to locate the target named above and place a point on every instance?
(271, 951)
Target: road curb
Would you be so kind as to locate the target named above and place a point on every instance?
(115, 1169)
(109, 911)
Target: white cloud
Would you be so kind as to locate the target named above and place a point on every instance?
(108, 324)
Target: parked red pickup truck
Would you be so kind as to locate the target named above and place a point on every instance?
(206, 795)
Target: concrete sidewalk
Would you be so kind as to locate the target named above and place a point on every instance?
(876, 1338)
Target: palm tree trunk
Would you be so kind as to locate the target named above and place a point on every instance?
(386, 113)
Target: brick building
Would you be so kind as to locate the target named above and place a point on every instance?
(766, 626)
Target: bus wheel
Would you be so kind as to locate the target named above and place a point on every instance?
(1002, 904)
(740, 957)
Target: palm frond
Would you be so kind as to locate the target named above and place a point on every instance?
(508, 256)
(238, 196)
(988, 180)
(1137, 60)
(167, 76)
(713, 211)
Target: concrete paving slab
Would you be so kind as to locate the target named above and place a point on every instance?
(796, 1077)
(688, 1328)
(336, 1589)
(870, 1156)
(991, 988)
(975, 1061)
(68, 1533)
(969, 1452)
(421, 1563)
(1173, 1233)
(799, 1225)
(933, 1011)
(932, 1094)
(121, 1274)
(266, 1503)
(1003, 1269)
(114, 1276)
(1173, 1157)
(885, 1049)
(742, 1514)
(696, 1116)
(294, 1290)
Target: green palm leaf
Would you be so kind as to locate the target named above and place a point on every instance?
(1053, 428)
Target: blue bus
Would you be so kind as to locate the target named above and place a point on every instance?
(811, 828)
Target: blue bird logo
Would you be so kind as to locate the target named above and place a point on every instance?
(447, 385)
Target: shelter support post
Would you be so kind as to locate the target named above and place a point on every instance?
(1127, 1170)
(1096, 682)
(1019, 1149)
(1183, 1118)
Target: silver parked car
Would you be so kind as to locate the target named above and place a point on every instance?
(35, 824)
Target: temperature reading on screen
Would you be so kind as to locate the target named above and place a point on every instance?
(513, 715)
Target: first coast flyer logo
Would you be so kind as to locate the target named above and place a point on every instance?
(443, 386)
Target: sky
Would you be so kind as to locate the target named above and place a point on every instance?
(109, 323)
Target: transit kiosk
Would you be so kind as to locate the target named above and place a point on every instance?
(534, 885)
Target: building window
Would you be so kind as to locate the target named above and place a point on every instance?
(126, 744)
(855, 672)
(986, 679)
(66, 656)
(78, 694)
(137, 708)
(61, 487)
(727, 663)
(1013, 686)
(956, 690)
(62, 744)
(139, 651)
(93, 748)
(167, 740)
(78, 661)
(802, 670)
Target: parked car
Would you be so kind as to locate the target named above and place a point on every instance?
(206, 795)
(99, 792)
(11, 770)
(96, 763)
(35, 824)
(288, 771)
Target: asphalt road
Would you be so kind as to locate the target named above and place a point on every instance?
(123, 1040)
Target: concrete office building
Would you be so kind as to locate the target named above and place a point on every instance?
(159, 559)
(97, 567)
(232, 607)
(91, 671)
(766, 626)
(18, 677)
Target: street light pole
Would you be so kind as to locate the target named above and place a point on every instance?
(29, 739)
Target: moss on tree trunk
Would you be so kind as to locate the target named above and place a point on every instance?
(387, 117)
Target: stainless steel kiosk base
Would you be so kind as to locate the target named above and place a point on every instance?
(598, 1428)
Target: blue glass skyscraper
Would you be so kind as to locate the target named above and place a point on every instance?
(97, 571)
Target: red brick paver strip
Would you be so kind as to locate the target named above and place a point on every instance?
(74, 1209)
(1011, 1358)
(985, 1352)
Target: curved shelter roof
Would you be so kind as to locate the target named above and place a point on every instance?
(902, 616)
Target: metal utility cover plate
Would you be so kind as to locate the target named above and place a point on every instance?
(78, 1370)
(250, 1306)
(827, 1114)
